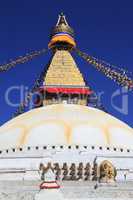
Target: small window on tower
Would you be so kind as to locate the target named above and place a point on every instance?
(85, 147)
(28, 148)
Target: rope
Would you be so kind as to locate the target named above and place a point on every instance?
(24, 104)
(117, 74)
(21, 60)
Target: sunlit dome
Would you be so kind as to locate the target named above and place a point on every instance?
(65, 124)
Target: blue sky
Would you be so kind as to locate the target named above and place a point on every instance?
(103, 29)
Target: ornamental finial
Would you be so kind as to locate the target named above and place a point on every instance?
(62, 33)
(61, 14)
(62, 20)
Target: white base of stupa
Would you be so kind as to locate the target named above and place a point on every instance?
(69, 190)
(50, 194)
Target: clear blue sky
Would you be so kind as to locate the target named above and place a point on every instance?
(103, 29)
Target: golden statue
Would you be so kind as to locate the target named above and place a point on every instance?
(107, 172)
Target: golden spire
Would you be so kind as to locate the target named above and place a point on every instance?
(62, 33)
(63, 71)
(63, 81)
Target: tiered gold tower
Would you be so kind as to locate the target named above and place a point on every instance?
(63, 71)
(63, 82)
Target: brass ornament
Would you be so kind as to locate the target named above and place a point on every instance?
(107, 172)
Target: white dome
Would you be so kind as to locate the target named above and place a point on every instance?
(65, 125)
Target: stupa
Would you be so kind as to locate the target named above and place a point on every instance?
(81, 142)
